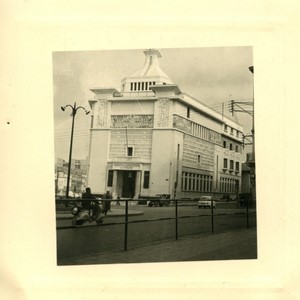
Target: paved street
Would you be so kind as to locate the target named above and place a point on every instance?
(109, 237)
(232, 245)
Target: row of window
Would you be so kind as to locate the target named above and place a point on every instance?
(196, 129)
(192, 182)
(141, 86)
(232, 130)
(201, 132)
(231, 165)
(231, 146)
(229, 185)
(196, 182)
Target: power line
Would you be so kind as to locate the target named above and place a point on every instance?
(68, 134)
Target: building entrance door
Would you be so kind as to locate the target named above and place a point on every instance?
(128, 188)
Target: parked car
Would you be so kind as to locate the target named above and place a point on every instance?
(206, 202)
(158, 200)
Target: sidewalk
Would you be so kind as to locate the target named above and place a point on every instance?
(238, 244)
(115, 212)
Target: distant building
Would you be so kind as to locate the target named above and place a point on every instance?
(78, 176)
(246, 179)
(250, 163)
(151, 138)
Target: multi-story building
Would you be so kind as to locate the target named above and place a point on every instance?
(78, 176)
(151, 138)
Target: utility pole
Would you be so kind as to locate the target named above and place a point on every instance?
(252, 165)
(247, 107)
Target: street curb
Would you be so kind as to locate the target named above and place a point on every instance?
(70, 217)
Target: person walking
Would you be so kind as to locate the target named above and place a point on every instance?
(107, 203)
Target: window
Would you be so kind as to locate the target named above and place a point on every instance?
(185, 181)
(237, 166)
(210, 184)
(201, 182)
(110, 178)
(187, 112)
(190, 181)
(231, 164)
(146, 85)
(129, 151)
(193, 182)
(230, 146)
(237, 185)
(225, 164)
(131, 86)
(225, 128)
(146, 179)
(236, 148)
(197, 182)
(231, 131)
(224, 144)
(198, 158)
(135, 86)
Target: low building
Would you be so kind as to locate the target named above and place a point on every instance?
(151, 138)
(246, 179)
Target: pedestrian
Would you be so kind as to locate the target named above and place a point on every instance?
(107, 201)
(118, 201)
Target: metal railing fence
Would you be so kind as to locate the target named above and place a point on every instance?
(176, 203)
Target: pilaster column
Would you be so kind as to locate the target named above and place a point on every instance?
(138, 184)
(114, 184)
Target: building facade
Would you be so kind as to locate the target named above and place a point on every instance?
(150, 138)
(78, 177)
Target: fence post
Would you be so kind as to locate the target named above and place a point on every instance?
(176, 219)
(126, 225)
(212, 216)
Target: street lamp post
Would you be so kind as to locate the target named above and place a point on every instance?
(253, 172)
(74, 111)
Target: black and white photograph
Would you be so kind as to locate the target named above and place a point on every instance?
(154, 155)
(149, 150)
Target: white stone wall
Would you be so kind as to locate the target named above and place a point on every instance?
(132, 107)
(195, 116)
(192, 147)
(139, 139)
(100, 140)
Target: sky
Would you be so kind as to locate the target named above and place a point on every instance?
(212, 75)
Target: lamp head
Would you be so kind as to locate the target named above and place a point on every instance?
(63, 108)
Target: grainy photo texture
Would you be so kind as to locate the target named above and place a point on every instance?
(154, 155)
